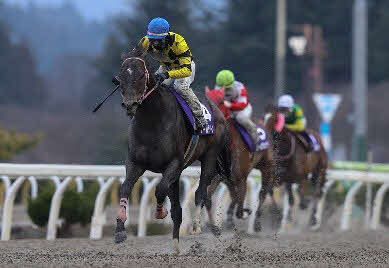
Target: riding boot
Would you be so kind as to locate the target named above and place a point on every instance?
(251, 128)
(194, 104)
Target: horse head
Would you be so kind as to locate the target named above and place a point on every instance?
(217, 97)
(135, 83)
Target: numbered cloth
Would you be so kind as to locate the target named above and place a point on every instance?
(263, 142)
(210, 126)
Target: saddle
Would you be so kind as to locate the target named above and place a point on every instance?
(307, 140)
(261, 145)
(209, 118)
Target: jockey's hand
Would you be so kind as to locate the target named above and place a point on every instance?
(160, 77)
(115, 81)
(227, 104)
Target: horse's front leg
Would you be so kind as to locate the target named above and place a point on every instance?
(170, 185)
(132, 174)
(318, 198)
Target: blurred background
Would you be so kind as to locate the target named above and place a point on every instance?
(57, 58)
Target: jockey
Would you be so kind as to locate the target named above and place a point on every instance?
(294, 117)
(236, 98)
(176, 63)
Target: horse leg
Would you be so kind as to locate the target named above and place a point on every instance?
(211, 190)
(161, 191)
(290, 201)
(267, 188)
(208, 171)
(176, 212)
(170, 185)
(132, 174)
(242, 213)
(315, 221)
(302, 191)
(231, 208)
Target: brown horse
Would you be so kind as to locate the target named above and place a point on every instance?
(243, 161)
(294, 163)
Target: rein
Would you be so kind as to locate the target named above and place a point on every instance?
(147, 80)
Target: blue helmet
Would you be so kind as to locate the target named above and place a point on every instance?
(158, 28)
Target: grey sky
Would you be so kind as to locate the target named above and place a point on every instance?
(91, 9)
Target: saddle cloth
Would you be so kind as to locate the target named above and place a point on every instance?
(210, 127)
(306, 143)
(263, 142)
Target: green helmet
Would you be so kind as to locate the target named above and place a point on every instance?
(225, 78)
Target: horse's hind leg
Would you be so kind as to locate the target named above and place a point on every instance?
(132, 174)
(302, 192)
(176, 212)
(242, 213)
(208, 171)
(211, 190)
(170, 184)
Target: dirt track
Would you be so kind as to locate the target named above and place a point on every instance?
(307, 250)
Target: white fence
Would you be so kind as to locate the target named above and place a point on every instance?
(107, 175)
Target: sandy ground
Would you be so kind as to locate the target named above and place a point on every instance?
(334, 249)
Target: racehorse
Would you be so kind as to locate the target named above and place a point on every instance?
(294, 163)
(243, 161)
(158, 137)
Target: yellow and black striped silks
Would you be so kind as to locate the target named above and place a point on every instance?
(176, 57)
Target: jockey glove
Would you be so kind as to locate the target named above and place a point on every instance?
(115, 81)
(160, 77)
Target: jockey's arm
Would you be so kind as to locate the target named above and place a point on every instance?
(300, 122)
(241, 101)
(182, 50)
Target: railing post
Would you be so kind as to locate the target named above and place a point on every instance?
(98, 218)
(320, 204)
(369, 191)
(8, 207)
(254, 193)
(147, 188)
(348, 206)
(79, 184)
(220, 207)
(6, 186)
(377, 206)
(55, 207)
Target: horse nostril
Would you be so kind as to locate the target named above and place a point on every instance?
(123, 105)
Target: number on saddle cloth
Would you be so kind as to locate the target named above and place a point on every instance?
(262, 144)
(209, 128)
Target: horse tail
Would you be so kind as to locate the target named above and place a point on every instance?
(224, 158)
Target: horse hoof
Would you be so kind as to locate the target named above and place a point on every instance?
(196, 231)
(120, 237)
(303, 205)
(161, 213)
(176, 246)
(257, 227)
(215, 230)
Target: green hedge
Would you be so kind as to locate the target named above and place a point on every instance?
(75, 208)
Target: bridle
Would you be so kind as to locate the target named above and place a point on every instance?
(145, 93)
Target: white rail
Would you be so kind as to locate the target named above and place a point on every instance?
(79, 173)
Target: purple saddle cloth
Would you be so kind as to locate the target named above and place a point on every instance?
(207, 113)
(263, 142)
